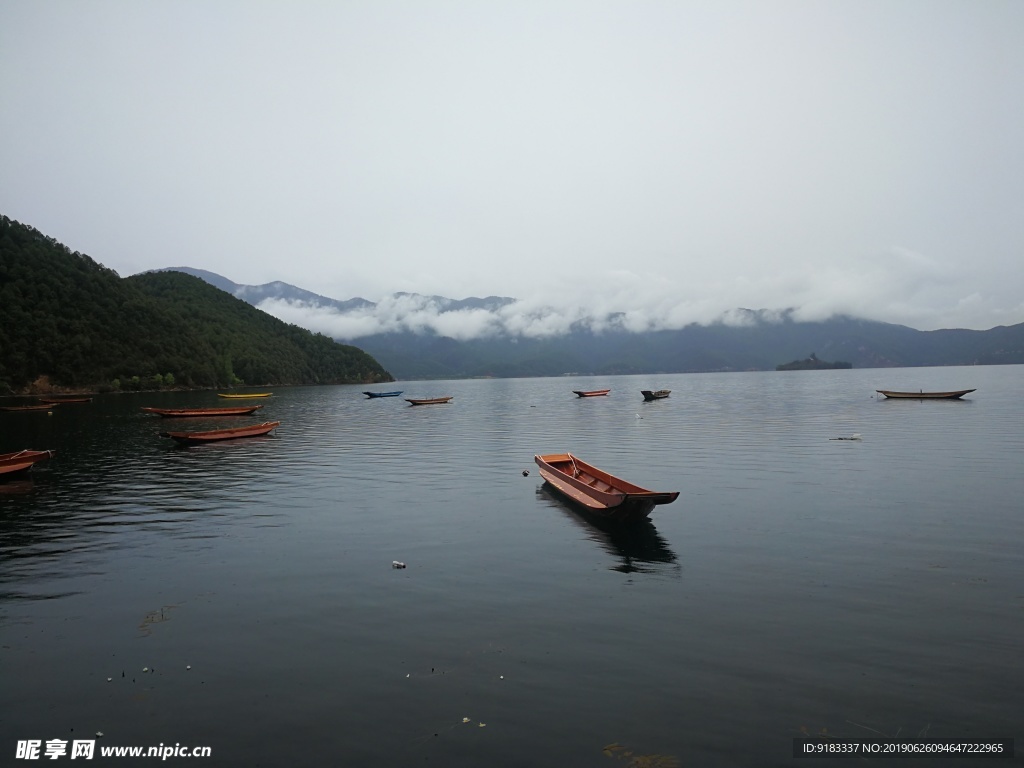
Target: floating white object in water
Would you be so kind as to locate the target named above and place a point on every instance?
(109, 679)
(397, 564)
(188, 666)
(145, 669)
(483, 725)
(99, 734)
(855, 436)
(465, 719)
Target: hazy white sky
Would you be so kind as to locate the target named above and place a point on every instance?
(670, 159)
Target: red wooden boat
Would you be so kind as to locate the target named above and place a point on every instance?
(213, 435)
(33, 407)
(429, 400)
(59, 400)
(924, 395)
(239, 411)
(21, 461)
(601, 493)
(591, 392)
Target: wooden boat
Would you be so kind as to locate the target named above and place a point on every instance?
(429, 400)
(59, 400)
(924, 395)
(656, 395)
(21, 461)
(33, 407)
(596, 490)
(213, 435)
(246, 395)
(383, 394)
(591, 393)
(243, 410)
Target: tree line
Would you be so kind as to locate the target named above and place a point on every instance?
(67, 318)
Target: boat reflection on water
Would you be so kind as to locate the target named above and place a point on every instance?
(16, 486)
(637, 545)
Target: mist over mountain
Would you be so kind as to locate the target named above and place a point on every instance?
(416, 336)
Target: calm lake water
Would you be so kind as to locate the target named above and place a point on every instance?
(799, 586)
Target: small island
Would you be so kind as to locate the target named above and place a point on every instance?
(812, 363)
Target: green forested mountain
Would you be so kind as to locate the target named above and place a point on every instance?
(78, 324)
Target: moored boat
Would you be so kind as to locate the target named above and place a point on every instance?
(213, 435)
(383, 394)
(598, 491)
(59, 400)
(243, 410)
(657, 394)
(33, 407)
(922, 395)
(21, 461)
(591, 392)
(240, 396)
(429, 400)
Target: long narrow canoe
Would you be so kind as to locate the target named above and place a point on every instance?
(245, 395)
(655, 395)
(21, 461)
(591, 392)
(214, 435)
(243, 410)
(598, 491)
(429, 400)
(33, 407)
(383, 394)
(924, 395)
(59, 400)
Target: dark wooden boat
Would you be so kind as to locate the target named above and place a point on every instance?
(245, 395)
(213, 435)
(383, 394)
(59, 400)
(924, 395)
(655, 395)
(596, 490)
(429, 400)
(21, 461)
(33, 407)
(591, 392)
(243, 410)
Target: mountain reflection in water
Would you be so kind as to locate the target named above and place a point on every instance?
(637, 544)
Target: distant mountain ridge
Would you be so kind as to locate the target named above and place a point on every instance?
(254, 294)
(752, 340)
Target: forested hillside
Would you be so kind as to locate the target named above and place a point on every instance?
(69, 320)
(758, 345)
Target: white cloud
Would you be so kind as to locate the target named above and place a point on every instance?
(891, 285)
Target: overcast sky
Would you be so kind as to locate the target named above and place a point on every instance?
(670, 159)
